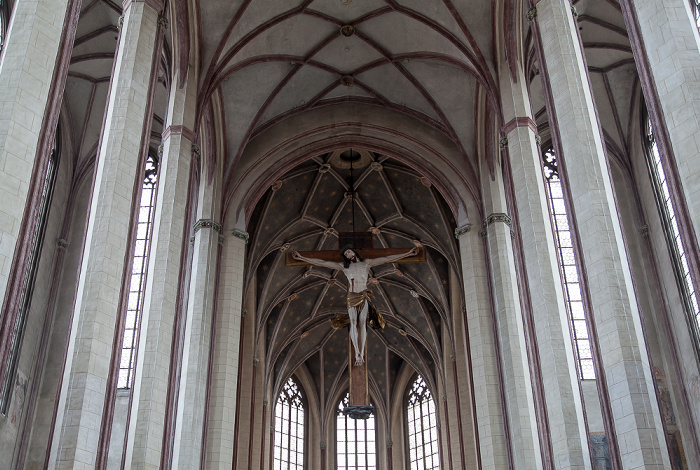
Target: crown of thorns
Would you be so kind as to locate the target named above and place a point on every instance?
(347, 247)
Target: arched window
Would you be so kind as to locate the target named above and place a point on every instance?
(567, 264)
(673, 237)
(422, 427)
(30, 275)
(289, 429)
(4, 20)
(139, 268)
(355, 440)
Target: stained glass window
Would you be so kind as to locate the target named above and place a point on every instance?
(355, 440)
(567, 264)
(289, 429)
(422, 428)
(673, 236)
(139, 268)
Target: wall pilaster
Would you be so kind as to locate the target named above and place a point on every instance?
(488, 397)
(226, 361)
(29, 56)
(190, 430)
(568, 436)
(152, 373)
(88, 362)
(623, 355)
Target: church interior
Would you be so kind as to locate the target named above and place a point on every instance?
(162, 161)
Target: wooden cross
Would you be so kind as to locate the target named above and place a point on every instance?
(359, 381)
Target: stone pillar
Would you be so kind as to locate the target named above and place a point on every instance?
(191, 408)
(669, 72)
(624, 357)
(29, 56)
(568, 436)
(85, 376)
(222, 408)
(485, 352)
(151, 377)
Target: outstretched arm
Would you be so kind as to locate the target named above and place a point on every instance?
(317, 262)
(390, 259)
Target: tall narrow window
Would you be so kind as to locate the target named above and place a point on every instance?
(355, 440)
(673, 236)
(30, 277)
(137, 285)
(567, 264)
(422, 428)
(695, 9)
(289, 429)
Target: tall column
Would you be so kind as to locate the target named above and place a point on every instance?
(151, 377)
(191, 407)
(222, 408)
(625, 361)
(493, 443)
(510, 329)
(29, 56)
(85, 376)
(669, 72)
(568, 436)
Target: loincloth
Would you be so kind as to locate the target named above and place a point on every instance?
(358, 300)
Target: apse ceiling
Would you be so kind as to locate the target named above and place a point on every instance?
(305, 210)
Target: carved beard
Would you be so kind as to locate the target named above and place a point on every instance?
(347, 261)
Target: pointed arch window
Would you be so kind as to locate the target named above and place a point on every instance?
(355, 440)
(695, 9)
(289, 429)
(30, 275)
(567, 265)
(139, 268)
(422, 427)
(672, 234)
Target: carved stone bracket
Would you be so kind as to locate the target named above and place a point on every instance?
(459, 231)
(206, 223)
(644, 230)
(196, 150)
(163, 21)
(240, 234)
(62, 243)
(503, 143)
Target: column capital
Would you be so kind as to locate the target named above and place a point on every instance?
(525, 121)
(498, 217)
(184, 131)
(206, 223)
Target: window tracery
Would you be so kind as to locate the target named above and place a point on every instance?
(567, 265)
(355, 440)
(422, 428)
(289, 429)
(139, 268)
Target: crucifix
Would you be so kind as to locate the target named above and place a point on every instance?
(355, 259)
(355, 264)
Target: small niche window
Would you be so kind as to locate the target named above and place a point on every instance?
(567, 264)
(672, 233)
(289, 429)
(422, 428)
(139, 268)
(355, 440)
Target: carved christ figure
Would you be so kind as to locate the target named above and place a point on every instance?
(356, 271)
